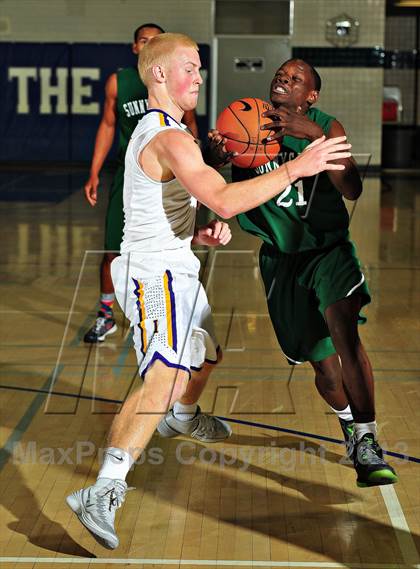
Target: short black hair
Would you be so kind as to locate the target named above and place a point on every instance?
(315, 75)
(149, 25)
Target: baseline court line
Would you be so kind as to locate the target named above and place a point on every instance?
(205, 562)
(399, 523)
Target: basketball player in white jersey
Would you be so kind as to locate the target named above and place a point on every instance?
(156, 276)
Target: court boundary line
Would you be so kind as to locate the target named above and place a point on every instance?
(206, 562)
(399, 523)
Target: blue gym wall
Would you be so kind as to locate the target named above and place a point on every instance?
(52, 97)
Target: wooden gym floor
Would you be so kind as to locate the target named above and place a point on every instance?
(278, 493)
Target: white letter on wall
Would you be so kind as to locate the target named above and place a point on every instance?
(80, 91)
(22, 74)
(48, 91)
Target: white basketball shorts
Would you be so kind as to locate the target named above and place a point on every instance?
(168, 308)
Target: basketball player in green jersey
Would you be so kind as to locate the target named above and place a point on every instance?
(125, 103)
(314, 286)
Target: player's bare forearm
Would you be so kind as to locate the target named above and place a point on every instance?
(106, 130)
(178, 154)
(347, 181)
(238, 197)
(103, 143)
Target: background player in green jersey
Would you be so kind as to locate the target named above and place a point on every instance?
(125, 102)
(314, 286)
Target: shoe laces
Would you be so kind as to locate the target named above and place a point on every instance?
(369, 452)
(206, 424)
(111, 497)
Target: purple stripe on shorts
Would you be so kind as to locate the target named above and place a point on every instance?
(157, 356)
(173, 311)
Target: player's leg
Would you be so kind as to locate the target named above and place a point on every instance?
(104, 324)
(186, 416)
(134, 426)
(342, 292)
(342, 319)
(329, 383)
(159, 306)
(130, 433)
(149, 301)
(301, 330)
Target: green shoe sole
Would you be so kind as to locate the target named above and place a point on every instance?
(379, 478)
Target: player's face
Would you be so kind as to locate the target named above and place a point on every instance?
(143, 36)
(183, 77)
(293, 86)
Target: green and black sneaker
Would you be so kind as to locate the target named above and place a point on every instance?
(371, 468)
(349, 436)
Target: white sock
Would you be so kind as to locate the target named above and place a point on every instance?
(364, 428)
(345, 414)
(184, 412)
(117, 462)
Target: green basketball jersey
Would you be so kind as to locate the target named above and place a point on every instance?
(310, 214)
(131, 105)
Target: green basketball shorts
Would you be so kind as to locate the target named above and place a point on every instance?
(300, 287)
(114, 221)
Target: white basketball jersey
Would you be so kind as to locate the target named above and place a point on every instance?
(159, 216)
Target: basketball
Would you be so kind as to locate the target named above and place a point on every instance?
(240, 124)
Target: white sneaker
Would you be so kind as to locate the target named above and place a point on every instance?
(203, 427)
(95, 507)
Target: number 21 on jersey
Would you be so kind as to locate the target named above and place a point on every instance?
(282, 200)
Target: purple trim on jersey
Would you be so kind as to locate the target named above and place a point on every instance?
(165, 114)
(158, 356)
(173, 311)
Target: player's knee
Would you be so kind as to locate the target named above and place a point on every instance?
(163, 384)
(342, 320)
(327, 383)
(348, 348)
(327, 375)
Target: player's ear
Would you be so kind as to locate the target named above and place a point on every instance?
(159, 73)
(312, 97)
(134, 48)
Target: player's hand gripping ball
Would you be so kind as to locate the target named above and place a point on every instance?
(240, 124)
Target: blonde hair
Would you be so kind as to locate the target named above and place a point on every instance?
(158, 51)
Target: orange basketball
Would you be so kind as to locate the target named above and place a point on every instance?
(240, 124)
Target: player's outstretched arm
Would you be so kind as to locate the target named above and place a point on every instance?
(104, 138)
(177, 152)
